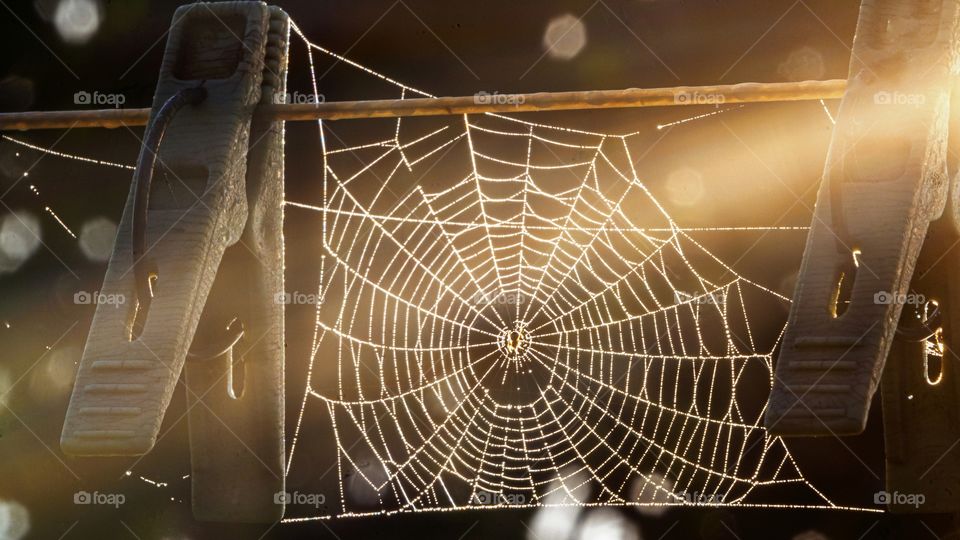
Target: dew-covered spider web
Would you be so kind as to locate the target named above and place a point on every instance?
(507, 317)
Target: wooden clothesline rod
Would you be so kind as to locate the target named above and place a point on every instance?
(476, 104)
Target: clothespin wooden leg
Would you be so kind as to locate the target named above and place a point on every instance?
(236, 430)
(212, 215)
(884, 182)
(921, 381)
(878, 274)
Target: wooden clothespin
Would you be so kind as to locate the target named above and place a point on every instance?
(199, 258)
(887, 213)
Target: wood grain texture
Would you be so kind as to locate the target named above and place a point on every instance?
(886, 172)
(237, 443)
(749, 92)
(887, 160)
(920, 394)
(211, 200)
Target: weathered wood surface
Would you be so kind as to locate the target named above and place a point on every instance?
(921, 392)
(208, 195)
(237, 443)
(882, 203)
(679, 96)
(886, 169)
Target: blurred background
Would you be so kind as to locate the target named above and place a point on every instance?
(757, 165)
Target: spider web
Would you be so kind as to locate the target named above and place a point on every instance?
(511, 319)
(507, 317)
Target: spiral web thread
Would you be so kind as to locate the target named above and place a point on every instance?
(533, 331)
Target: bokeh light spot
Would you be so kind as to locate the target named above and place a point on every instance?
(77, 20)
(14, 520)
(654, 489)
(803, 64)
(607, 524)
(685, 187)
(54, 374)
(565, 37)
(811, 535)
(6, 384)
(570, 489)
(19, 239)
(96, 238)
